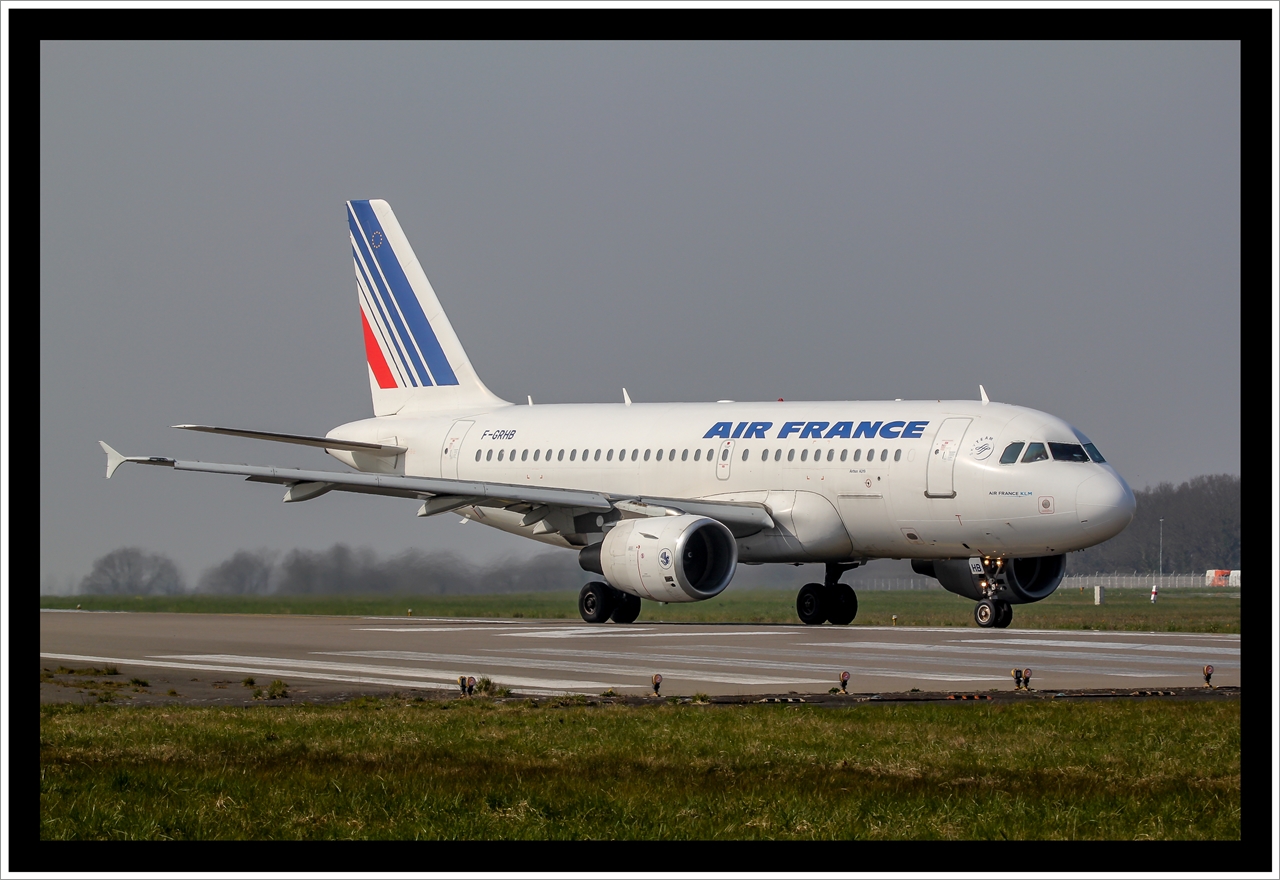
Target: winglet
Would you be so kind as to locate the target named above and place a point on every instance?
(983, 392)
(114, 459)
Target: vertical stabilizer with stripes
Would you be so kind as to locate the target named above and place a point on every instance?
(416, 363)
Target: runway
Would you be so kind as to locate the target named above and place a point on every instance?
(319, 654)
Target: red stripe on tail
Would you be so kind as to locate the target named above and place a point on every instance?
(373, 354)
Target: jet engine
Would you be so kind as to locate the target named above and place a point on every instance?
(668, 558)
(1017, 581)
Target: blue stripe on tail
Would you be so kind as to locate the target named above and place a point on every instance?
(402, 291)
(417, 372)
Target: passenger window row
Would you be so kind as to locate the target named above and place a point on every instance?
(684, 456)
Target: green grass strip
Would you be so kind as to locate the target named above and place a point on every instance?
(557, 769)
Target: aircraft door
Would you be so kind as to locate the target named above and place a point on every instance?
(942, 459)
(452, 449)
(724, 460)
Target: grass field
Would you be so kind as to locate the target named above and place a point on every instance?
(1175, 611)
(475, 769)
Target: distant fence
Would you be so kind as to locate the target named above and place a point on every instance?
(1111, 581)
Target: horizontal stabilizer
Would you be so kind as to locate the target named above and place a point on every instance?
(301, 440)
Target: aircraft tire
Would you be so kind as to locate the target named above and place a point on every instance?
(627, 609)
(595, 602)
(985, 614)
(1004, 615)
(812, 604)
(844, 605)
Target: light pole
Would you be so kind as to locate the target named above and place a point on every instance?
(1161, 557)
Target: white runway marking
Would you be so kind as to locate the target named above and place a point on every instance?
(1114, 646)
(283, 667)
(592, 668)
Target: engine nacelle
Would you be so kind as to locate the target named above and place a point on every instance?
(665, 558)
(1017, 581)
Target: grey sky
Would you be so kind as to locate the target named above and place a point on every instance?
(1059, 222)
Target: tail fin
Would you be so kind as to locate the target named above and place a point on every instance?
(416, 362)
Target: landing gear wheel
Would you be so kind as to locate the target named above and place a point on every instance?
(1004, 614)
(844, 604)
(812, 604)
(628, 608)
(985, 614)
(595, 602)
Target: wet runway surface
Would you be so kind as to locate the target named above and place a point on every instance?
(556, 657)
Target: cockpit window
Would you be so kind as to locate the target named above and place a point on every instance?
(1094, 453)
(1035, 452)
(1011, 453)
(1067, 452)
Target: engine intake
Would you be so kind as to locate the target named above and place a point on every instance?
(1019, 581)
(669, 559)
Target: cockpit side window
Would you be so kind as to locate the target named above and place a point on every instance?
(1067, 452)
(1035, 452)
(1011, 453)
(1094, 453)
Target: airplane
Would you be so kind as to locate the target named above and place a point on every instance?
(664, 500)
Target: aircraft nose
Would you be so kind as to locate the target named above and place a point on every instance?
(1105, 505)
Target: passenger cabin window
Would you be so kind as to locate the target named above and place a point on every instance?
(500, 451)
(1011, 453)
(724, 456)
(573, 454)
(635, 453)
(535, 454)
(597, 457)
(697, 455)
(764, 456)
(478, 454)
(1067, 452)
(777, 455)
(791, 455)
(672, 456)
(897, 455)
(560, 455)
(884, 454)
(684, 456)
(489, 455)
(844, 454)
(857, 455)
(871, 455)
(831, 454)
(710, 454)
(609, 456)
(1094, 453)
(548, 455)
(804, 455)
(1036, 452)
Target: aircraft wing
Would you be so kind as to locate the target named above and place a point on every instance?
(300, 440)
(441, 494)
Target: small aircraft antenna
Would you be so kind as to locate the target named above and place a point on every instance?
(626, 398)
(530, 400)
(983, 392)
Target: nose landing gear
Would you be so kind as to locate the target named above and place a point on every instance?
(993, 613)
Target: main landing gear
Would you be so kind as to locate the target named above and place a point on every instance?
(599, 602)
(833, 601)
(993, 612)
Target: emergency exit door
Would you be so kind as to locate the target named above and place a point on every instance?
(939, 481)
(724, 460)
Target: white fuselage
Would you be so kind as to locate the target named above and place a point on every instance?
(842, 480)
